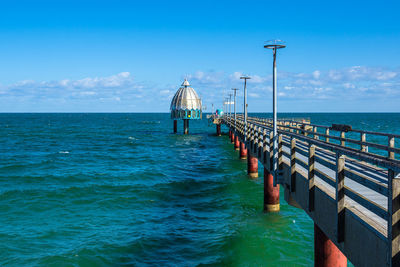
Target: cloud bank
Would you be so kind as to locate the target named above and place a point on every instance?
(358, 86)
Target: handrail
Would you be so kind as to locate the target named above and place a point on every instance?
(304, 129)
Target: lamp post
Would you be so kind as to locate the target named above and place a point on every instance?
(234, 106)
(245, 78)
(274, 45)
(226, 106)
(224, 103)
(230, 114)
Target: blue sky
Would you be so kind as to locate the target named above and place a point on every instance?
(131, 56)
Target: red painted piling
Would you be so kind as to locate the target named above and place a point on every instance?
(243, 151)
(236, 143)
(232, 137)
(252, 166)
(271, 193)
(326, 254)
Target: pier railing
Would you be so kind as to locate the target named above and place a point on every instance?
(359, 183)
(338, 132)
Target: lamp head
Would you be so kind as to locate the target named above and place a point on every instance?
(274, 44)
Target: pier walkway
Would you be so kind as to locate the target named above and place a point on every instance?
(349, 187)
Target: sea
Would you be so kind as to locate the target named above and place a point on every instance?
(109, 189)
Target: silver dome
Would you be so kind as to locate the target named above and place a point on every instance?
(186, 98)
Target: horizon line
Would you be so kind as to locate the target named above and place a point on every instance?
(143, 112)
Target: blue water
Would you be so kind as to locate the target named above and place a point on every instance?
(121, 189)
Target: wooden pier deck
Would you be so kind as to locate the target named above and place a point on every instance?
(352, 194)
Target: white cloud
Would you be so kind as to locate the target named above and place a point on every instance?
(236, 75)
(334, 75)
(118, 80)
(351, 83)
(386, 75)
(118, 87)
(316, 74)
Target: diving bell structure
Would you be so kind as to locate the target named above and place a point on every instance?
(185, 105)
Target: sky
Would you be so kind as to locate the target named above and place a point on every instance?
(132, 56)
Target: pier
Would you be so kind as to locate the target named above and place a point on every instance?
(349, 187)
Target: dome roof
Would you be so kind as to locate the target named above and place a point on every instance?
(186, 98)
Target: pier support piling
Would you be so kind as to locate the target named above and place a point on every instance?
(218, 129)
(232, 137)
(271, 193)
(243, 151)
(252, 166)
(175, 126)
(185, 126)
(236, 143)
(326, 254)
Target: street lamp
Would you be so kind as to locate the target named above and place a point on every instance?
(226, 106)
(230, 99)
(245, 77)
(234, 106)
(274, 45)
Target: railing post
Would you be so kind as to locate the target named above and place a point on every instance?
(256, 136)
(311, 180)
(293, 165)
(315, 133)
(393, 219)
(260, 142)
(342, 136)
(340, 205)
(363, 138)
(265, 146)
(391, 145)
(327, 133)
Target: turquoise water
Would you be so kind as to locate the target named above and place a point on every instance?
(121, 189)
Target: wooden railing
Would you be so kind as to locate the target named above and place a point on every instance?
(307, 151)
(337, 132)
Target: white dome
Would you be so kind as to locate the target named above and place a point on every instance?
(186, 98)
